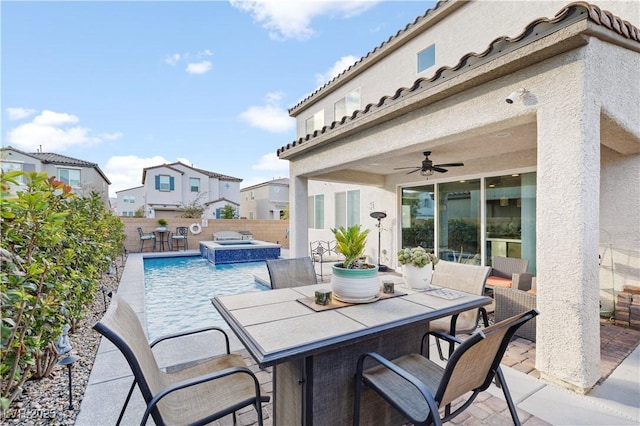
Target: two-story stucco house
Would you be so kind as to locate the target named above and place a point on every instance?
(265, 201)
(532, 111)
(168, 187)
(83, 176)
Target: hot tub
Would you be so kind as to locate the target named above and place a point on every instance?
(238, 251)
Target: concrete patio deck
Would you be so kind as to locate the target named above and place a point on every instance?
(616, 401)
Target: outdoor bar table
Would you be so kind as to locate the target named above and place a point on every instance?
(314, 353)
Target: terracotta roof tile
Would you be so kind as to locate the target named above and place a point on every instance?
(536, 29)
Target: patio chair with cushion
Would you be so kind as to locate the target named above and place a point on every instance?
(503, 270)
(463, 277)
(180, 236)
(146, 237)
(294, 272)
(418, 387)
(195, 394)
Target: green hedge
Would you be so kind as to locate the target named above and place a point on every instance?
(55, 247)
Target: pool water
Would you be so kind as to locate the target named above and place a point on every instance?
(178, 291)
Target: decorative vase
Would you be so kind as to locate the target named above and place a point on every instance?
(355, 285)
(417, 278)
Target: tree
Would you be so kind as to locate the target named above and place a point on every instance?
(228, 212)
(193, 210)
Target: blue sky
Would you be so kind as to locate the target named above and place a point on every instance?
(134, 84)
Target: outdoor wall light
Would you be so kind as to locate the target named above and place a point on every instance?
(516, 94)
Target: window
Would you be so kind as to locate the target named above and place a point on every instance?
(194, 183)
(165, 183)
(427, 58)
(315, 122)
(69, 177)
(315, 211)
(418, 212)
(347, 105)
(459, 221)
(347, 208)
(11, 167)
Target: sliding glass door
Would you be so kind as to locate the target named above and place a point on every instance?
(459, 221)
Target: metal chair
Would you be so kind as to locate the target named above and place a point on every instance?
(418, 387)
(146, 237)
(294, 272)
(318, 250)
(180, 236)
(463, 277)
(196, 394)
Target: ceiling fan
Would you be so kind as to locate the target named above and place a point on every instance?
(427, 168)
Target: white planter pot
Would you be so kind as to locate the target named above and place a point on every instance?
(417, 278)
(355, 285)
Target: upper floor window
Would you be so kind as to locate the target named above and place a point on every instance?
(314, 122)
(194, 183)
(129, 199)
(69, 177)
(347, 105)
(427, 58)
(347, 208)
(316, 211)
(165, 183)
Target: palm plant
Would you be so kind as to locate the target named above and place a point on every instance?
(351, 243)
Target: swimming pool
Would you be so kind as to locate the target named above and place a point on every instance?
(178, 291)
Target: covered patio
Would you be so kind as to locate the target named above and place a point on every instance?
(575, 129)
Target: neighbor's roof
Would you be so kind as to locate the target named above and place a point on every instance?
(535, 30)
(62, 160)
(204, 172)
(282, 181)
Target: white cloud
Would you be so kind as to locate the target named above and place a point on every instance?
(199, 67)
(270, 117)
(20, 113)
(172, 59)
(50, 131)
(125, 172)
(341, 65)
(288, 19)
(271, 162)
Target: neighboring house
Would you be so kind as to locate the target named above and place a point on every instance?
(129, 201)
(265, 201)
(84, 177)
(547, 170)
(168, 187)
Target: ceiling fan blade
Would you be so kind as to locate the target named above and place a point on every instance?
(404, 168)
(413, 171)
(439, 169)
(449, 165)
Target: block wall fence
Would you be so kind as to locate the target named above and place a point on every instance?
(273, 231)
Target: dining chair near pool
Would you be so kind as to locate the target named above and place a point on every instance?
(180, 236)
(146, 237)
(196, 394)
(293, 272)
(418, 387)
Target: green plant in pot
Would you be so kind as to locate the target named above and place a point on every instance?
(162, 222)
(353, 280)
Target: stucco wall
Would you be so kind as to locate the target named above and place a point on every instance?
(274, 231)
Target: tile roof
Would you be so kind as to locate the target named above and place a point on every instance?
(62, 160)
(536, 29)
(204, 172)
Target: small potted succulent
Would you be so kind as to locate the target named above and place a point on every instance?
(417, 266)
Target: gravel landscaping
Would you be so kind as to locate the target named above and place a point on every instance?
(46, 401)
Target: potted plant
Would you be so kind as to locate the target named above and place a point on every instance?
(163, 224)
(354, 280)
(417, 266)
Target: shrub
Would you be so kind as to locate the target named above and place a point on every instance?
(54, 248)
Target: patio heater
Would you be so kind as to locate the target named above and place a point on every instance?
(379, 216)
